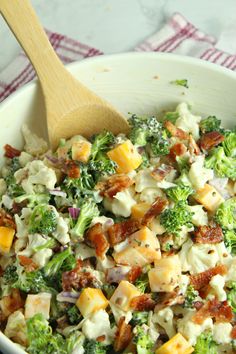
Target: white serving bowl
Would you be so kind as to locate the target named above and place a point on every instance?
(132, 82)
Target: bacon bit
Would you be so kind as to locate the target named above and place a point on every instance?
(156, 209)
(6, 219)
(142, 303)
(114, 184)
(78, 278)
(193, 146)
(169, 299)
(72, 169)
(120, 231)
(177, 150)
(11, 303)
(123, 335)
(197, 305)
(219, 311)
(159, 173)
(101, 338)
(176, 132)
(98, 239)
(11, 152)
(17, 207)
(134, 273)
(27, 263)
(202, 279)
(209, 140)
(233, 332)
(207, 234)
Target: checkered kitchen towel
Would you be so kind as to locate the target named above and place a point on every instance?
(177, 36)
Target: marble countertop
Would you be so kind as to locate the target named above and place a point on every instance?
(119, 25)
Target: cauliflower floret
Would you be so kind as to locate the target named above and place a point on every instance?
(34, 240)
(3, 186)
(191, 330)
(38, 303)
(33, 144)
(121, 203)
(143, 180)
(199, 217)
(217, 284)
(61, 233)
(198, 174)
(221, 333)
(164, 318)
(24, 158)
(83, 252)
(21, 223)
(98, 325)
(42, 257)
(16, 328)
(187, 121)
(106, 222)
(35, 173)
(149, 195)
(197, 258)
(7, 201)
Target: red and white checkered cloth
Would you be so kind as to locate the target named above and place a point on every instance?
(177, 36)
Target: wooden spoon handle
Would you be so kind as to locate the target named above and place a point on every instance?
(21, 18)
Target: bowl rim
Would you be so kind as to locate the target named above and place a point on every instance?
(170, 57)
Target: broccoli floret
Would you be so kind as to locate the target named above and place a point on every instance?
(53, 267)
(142, 283)
(43, 220)
(143, 341)
(139, 318)
(171, 116)
(179, 193)
(148, 131)
(190, 296)
(230, 240)
(10, 275)
(101, 142)
(13, 189)
(231, 296)
(74, 343)
(31, 282)
(41, 339)
(223, 165)
(181, 82)
(102, 166)
(174, 218)
(183, 179)
(229, 144)
(108, 290)
(74, 316)
(226, 214)
(88, 211)
(33, 199)
(50, 243)
(210, 124)
(205, 344)
(93, 347)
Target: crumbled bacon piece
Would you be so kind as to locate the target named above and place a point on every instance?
(156, 209)
(219, 311)
(233, 332)
(120, 231)
(209, 140)
(72, 169)
(27, 263)
(6, 219)
(11, 152)
(114, 184)
(159, 173)
(142, 303)
(177, 150)
(169, 299)
(134, 273)
(78, 278)
(101, 338)
(123, 335)
(202, 279)
(207, 234)
(98, 239)
(193, 146)
(11, 303)
(176, 132)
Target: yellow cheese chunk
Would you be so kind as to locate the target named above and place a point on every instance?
(38, 303)
(81, 150)
(6, 238)
(143, 248)
(123, 295)
(209, 197)
(176, 345)
(91, 300)
(165, 276)
(139, 210)
(126, 157)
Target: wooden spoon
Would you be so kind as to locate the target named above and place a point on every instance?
(71, 107)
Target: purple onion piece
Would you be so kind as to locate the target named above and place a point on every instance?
(66, 296)
(74, 212)
(57, 192)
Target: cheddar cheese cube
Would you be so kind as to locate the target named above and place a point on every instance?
(38, 303)
(139, 210)
(81, 150)
(91, 300)
(209, 197)
(126, 157)
(176, 345)
(165, 276)
(6, 238)
(123, 295)
(130, 256)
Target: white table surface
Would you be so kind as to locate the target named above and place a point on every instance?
(118, 25)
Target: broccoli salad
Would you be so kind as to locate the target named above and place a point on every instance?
(122, 244)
